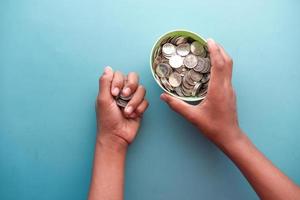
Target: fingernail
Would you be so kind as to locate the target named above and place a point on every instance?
(163, 96)
(107, 69)
(115, 91)
(126, 91)
(128, 110)
(210, 40)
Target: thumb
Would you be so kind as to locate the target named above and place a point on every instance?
(178, 105)
(105, 84)
(218, 72)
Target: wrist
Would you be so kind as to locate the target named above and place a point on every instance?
(111, 142)
(235, 143)
(228, 137)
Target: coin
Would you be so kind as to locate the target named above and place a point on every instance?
(202, 92)
(166, 84)
(189, 80)
(183, 73)
(195, 76)
(186, 84)
(180, 40)
(175, 79)
(179, 69)
(205, 85)
(186, 92)
(176, 61)
(183, 49)
(200, 65)
(168, 49)
(178, 90)
(122, 103)
(122, 100)
(205, 78)
(197, 48)
(127, 98)
(190, 61)
(206, 66)
(163, 70)
(173, 40)
(196, 89)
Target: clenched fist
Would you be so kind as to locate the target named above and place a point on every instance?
(120, 125)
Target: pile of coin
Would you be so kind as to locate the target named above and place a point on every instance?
(182, 66)
(122, 101)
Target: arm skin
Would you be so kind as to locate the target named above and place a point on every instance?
(108, 172)
(267, 180)
(216, 117)
(116, 129)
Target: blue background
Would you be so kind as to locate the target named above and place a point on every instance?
(52, 53)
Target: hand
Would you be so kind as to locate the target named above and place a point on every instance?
(216, 115)
(112, 121)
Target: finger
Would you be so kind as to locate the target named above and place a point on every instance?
(136, 99)
(217, 63)
(117, 83)
(131, 84)
(133, 115)
(228, 61)
(105, 84)
(142, 107)
(178, 105)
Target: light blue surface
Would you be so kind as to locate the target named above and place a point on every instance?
(52, 53)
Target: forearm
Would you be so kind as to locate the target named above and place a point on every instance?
(267, 180)
(108, 170)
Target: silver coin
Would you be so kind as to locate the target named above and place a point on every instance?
(178, 90)
(183, 49)
(195, 76)
(189, 79)
(205, 85)
(183, 73)
(180, 40)
(166, 84)
(206, 52)
(179, 69)
(205, 78)
(164, 60)
(168, 49)
(207, 65)
(175, 79)
(186, 84)
(196, 89)
(202, 92)
(202, 95)
(200, 65)
(126, 98)
(190, 61)
(122, 103)
(163, 70)
(173, 41)
(176, 61)
(197, 48)
(186, 92)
